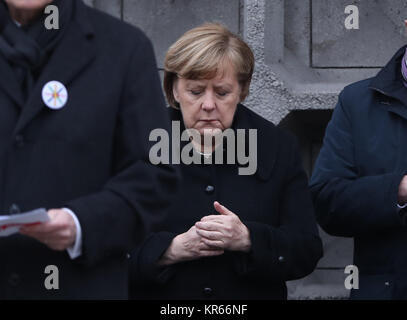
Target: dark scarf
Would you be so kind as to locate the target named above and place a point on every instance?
(28, 48)
(404, 68)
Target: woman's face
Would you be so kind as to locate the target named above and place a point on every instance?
(207, 105)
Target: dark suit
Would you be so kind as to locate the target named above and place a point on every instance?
(357, 176)
(91, 156)
(274, 204)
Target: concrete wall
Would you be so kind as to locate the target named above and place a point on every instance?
(304, 57)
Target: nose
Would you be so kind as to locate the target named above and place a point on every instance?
(208, 103)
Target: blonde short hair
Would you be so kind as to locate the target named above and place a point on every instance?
(201, 53)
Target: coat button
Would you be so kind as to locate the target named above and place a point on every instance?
(19, 140)
(207, 291)
(14, 279)
(14, 209)
(209, 189)
(281, 259)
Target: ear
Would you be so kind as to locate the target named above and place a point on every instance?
(175, 91)
(244, 92)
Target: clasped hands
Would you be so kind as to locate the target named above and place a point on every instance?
(211, 236)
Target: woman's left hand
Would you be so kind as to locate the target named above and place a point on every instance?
(224, 231)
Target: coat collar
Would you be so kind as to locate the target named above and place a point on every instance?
(75, 51)
(389, 83)
(267, 143)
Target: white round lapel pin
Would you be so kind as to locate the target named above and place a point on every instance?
(54, 95)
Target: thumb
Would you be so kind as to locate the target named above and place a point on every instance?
(221, 209)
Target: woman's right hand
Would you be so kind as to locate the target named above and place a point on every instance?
(188, 246)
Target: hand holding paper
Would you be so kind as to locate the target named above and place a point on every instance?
(58, 233)
(11, 224)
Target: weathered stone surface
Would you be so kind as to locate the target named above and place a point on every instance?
(113, 7)
(321, 284)
(164, 21)
(335, 46)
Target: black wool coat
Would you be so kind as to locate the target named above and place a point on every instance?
(357, 176)
(274, 204)
(90, 156)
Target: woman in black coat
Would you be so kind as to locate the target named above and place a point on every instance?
(232, 233)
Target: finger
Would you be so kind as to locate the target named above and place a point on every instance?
(58, 221)
(43, 228)
(221, 209)
(38, 237)
(203, 246)
(52, 235)
(55, 223)
(57, 245)
(54, 243)
(32, 228)
(209, 225)
(210, 253)
(44, 238)
(30, 232)
(219, 244)
(211, 235)
(217, 218)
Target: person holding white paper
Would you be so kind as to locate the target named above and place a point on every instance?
(77, 104)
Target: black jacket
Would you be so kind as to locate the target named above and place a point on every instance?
(357, 175)
(274, 204)
(91, 156)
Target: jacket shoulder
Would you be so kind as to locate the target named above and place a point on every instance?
(254, 120)
(359, 85)
(268, 129)
(356, 89)
(276, 146)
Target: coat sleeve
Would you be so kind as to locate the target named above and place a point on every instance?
(347, 204)
(292, 249)
(134, 199)
(144, 267)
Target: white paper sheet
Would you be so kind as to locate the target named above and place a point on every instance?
(12, 223)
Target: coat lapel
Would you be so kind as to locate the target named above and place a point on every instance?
(397, 108)
(71, 56)
(9, 83)
(395, 101)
